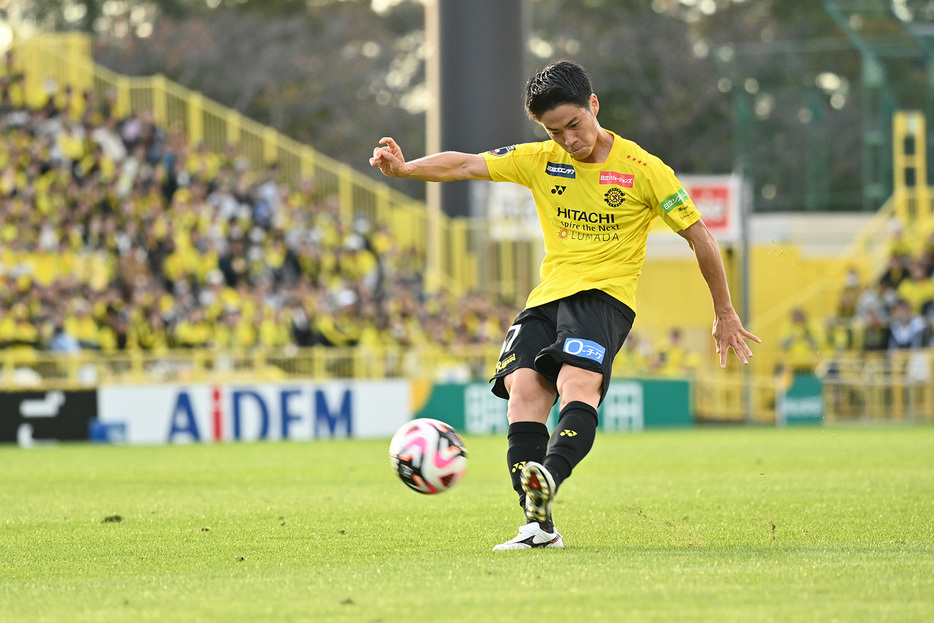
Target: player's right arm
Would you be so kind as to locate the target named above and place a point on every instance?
(446, 166)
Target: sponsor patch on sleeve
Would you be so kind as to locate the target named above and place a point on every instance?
(502, 151)
(584, 348)
(673, 201)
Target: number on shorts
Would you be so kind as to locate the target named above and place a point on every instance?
(511, 334)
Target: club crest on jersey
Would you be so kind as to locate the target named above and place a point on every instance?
(560, 170)
(502, 151)
(614, 197)
(626, 180)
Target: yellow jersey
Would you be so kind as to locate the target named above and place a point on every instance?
(595, 217)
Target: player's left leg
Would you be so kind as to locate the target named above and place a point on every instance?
(570, 441)
(590, 330)
(581, 392)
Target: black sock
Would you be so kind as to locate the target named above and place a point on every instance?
(571, 440)
(528, 441)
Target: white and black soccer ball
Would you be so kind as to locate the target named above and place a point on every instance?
(428, 455)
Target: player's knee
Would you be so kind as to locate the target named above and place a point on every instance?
(530, 397)
(577, 384)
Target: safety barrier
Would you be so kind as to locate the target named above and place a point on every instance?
(20, 369)
(891, 387)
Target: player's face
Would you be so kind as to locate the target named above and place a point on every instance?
(574, 128)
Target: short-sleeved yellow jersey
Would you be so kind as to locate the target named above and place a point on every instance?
(595, 218)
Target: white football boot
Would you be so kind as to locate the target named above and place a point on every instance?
(530, 536)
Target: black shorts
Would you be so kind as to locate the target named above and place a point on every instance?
(585, 330)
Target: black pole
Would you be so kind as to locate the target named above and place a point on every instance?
(478, 87)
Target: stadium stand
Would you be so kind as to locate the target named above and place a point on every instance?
(117, 237)
(141, 239)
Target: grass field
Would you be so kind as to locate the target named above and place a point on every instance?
(725, 524)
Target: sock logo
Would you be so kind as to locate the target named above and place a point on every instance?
(568, 433)
(517, 467)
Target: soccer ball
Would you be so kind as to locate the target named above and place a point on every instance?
(428, 455)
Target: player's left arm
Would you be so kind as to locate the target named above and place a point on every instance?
(728, 331)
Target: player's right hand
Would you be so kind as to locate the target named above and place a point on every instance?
(388, 158)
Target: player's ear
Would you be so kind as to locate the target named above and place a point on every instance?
(594, 104)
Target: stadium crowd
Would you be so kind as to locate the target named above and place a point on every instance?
(890, 314)
(116, 235)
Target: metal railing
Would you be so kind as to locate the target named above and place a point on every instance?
(20, 369)
(880, 386)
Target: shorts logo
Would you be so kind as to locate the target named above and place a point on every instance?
(584, 348)
(617, 179)
(501, 364)
(560, 170)
(502, 151)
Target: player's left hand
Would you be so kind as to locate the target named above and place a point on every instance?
(728, 332)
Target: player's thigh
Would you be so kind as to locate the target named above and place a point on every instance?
(531, 331)
(531, 396)
(589, 333)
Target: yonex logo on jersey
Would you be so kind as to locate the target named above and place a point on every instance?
(502, 151)
(584, 348)
(617, 179)
(558, 190)
(671, 202)
(560, 170)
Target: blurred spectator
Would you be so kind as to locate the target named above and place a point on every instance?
(673, 358)
(896, 272)
(850, 295)
(917, 290)
(875, 332)
(801, 343)
(876, 301)
(62, 342)
(899, 245)
(906, 329)
(634, 357)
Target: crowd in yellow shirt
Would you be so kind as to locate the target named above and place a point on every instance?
(891, 311)
(117, 235)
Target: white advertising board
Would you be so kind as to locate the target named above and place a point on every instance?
(158, 414)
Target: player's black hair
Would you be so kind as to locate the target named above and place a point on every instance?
(564, 82)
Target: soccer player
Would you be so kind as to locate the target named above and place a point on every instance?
(597, 195)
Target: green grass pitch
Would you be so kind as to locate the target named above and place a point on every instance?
(718, 524)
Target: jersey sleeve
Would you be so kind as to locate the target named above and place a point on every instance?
(509, 164)
(668, 197)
